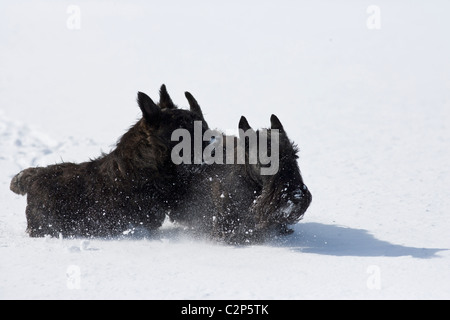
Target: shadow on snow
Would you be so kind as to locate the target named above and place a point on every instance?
(309, 237)
(325, 239)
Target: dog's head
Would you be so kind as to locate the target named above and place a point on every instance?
(149, 143)
(284, 197)
(163, 119)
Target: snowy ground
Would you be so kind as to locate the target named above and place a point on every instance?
(370, 110)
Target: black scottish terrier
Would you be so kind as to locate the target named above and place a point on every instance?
(132, 186)
(236, 204)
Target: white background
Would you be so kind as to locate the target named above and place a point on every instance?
(369, 109)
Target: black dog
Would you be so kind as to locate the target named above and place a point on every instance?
(132, 186)
(236, 204)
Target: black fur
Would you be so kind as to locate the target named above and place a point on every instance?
(235, 204)
(132, 186)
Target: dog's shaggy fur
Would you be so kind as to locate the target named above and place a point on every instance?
(236, 204)
(133, 186)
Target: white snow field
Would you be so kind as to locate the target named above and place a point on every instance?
(363, 87)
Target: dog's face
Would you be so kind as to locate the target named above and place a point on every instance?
(285, 197)
(174, 119)
(293, 195)
(161, 121)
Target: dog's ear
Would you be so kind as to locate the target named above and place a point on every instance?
(164, 99)
(275, 123)
(150, 111)
(247, 136)
(194, 106)
(243, 124)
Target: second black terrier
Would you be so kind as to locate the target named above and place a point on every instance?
(133, 186)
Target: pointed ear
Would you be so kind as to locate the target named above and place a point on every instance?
(150, 111)
(275, 123)
(195, 108)
(246, 133)
(243, 124)
(164, 99)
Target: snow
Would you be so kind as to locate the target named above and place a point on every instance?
(369, 109)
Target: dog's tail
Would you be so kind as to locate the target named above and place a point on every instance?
(22, 181)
